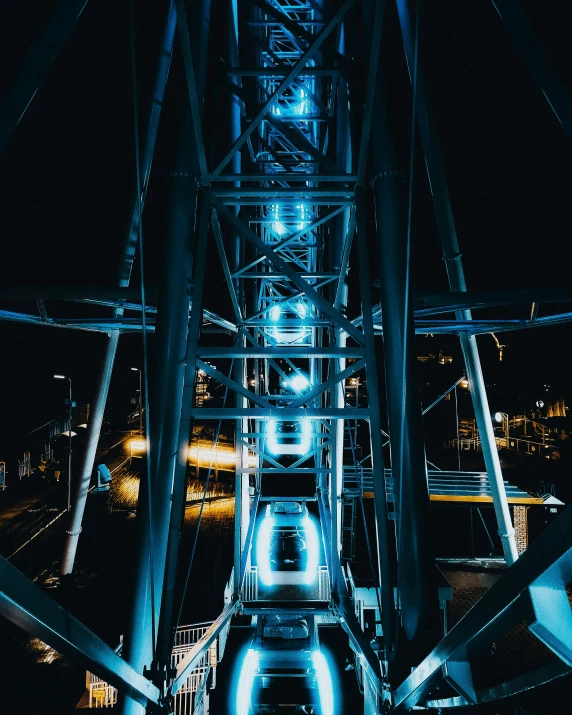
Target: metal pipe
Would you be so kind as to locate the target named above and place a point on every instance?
(452, 256)
(450, 389)
(88, 458)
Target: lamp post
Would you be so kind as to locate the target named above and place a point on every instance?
(502, 418)
(136, 369)
(70, 412)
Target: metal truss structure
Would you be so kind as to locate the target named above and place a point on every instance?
(282, 208)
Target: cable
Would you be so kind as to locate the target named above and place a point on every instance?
(143, 315)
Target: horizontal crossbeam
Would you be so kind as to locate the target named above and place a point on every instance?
(280, 413)
(291, 352)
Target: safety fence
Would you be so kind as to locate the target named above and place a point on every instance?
(190, 698)
(539, 449)
(254, 590)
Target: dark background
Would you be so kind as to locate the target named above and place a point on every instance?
(67, 178)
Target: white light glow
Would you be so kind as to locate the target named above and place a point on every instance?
(216, 456)
(275, 313)
(300, 447)
(299, 383)
(498, 416)
(279, 228)
(263, 539)
(138, 445)
(325, 684)
(246, 682)
(302, 310)
(312, 549)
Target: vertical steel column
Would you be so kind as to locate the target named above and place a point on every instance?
(242, 481)
(125, 267)
(455, 274)
(416, 565)
(168, 615)
(379, 489)
(171, 336)
(171, 339)
(92, 439)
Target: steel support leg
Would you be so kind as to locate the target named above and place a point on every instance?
(172, 331)
(90, 448)
(416, 565)
(452, 255)
(125, 268)
(167, 624)
(384, 540)
(172, 326)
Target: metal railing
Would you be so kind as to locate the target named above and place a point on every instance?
(513, 443)
(251, 587)
(103, 695)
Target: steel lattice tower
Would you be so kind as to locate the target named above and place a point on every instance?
(303, 184)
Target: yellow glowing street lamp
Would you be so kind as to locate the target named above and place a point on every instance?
(137, 448)
(502, 419)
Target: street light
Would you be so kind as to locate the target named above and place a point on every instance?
(70, 404)
(502, 418)
(136, 369)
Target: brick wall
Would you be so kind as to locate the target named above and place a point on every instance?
(520, 528)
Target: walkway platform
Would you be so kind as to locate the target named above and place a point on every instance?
(447, 486)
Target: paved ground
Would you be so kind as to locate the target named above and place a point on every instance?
(20, 497)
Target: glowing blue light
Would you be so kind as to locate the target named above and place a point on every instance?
(275, 313)
(303, 107)
(302, 310)
(324, 681)
(279, 228)
(263, 539)
(312, 550)
(299, 383)
(246, 682)
(274, 445)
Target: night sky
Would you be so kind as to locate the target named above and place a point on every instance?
(68, 175)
